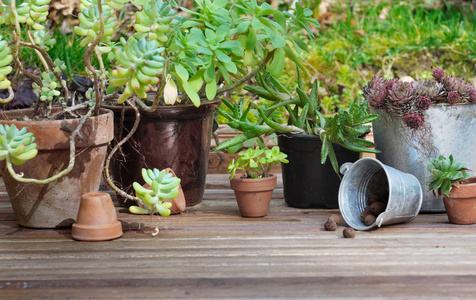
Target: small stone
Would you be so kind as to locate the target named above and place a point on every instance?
(330, 226)
(349, 233)
(365, 213)
(369, 219)
(377, 208)
(373, 197)
(336, 218)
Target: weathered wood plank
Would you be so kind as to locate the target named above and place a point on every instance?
(211, 252)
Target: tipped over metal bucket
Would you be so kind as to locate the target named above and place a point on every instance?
(368, 175)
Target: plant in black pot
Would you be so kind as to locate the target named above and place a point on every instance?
(308, 138)
(421, 120)
(198, 56)
(254, 186)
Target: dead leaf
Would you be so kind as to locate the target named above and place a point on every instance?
(359, 32)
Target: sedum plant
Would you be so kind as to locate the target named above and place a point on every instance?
(256, 162)
(409, 100)
(445, 173)
(16, 146)
(303, 116)
(215, 49)
(163, 186)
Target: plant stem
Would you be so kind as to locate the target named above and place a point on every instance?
(10, 96)
(72, 157)
(111, 154)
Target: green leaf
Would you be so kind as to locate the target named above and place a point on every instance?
(211, 90)
(280, 19)
(276, 68)
(181, 72)
(222, 57)
(191, 93)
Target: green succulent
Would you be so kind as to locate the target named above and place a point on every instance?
(140, 65)
(90, 22)
(156, 20)
(256, 162)
(16, 145)
(31, 12)
(163, 186)
(445, 172)
(50, 87)
(5, 59)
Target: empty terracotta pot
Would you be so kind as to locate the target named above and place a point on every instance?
(460, 204)
(253, 195)
(97, 219)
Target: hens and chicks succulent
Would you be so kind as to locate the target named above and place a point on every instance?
(409, 100)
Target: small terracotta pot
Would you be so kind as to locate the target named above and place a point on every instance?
(460, 204)
(253, 195)
(97, 219)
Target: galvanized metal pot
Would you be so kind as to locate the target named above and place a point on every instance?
(368, 175)
(448, 129)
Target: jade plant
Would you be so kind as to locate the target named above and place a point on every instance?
(445, 173)
(345, 128)
(256, 162)
(409, 100)
(162, 186)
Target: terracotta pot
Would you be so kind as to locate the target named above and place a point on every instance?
(173, 136)
(97, 219)
(56, 204)
(253, 195)
(460, 204)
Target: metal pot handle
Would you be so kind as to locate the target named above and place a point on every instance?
(345, 167)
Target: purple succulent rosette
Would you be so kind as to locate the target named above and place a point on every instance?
(409, 100)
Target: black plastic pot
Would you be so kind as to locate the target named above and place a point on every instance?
(176, 137)
(306, 182)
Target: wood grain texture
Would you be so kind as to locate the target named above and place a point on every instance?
(209, 251)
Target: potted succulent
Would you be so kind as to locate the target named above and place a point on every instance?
(254, 187)
(47, 169)
(174, 58)
(423, 119)
(450, 180)
(212, 51)
(308, 138)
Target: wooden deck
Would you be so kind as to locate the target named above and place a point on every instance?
(211, 252)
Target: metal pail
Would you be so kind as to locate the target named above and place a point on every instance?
(368, 175)
(448, 129)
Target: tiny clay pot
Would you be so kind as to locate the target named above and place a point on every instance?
(97, 219)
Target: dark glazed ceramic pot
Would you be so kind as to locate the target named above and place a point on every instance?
(176, 137)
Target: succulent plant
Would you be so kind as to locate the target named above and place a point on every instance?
(424, 102)
(163, 186)
(256, 162)
(375, 91)
(400, 93)
(140, 65)
(410, 100)
(413, 120)
(472, 97)
(457, 84)
(89, 26)
(438, 74)
(155, 20)
(445, 173)
(453, 97)
(16, 145)
(428, 87)
(5, 59)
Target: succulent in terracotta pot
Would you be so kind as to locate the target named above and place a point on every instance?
(451, 180)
